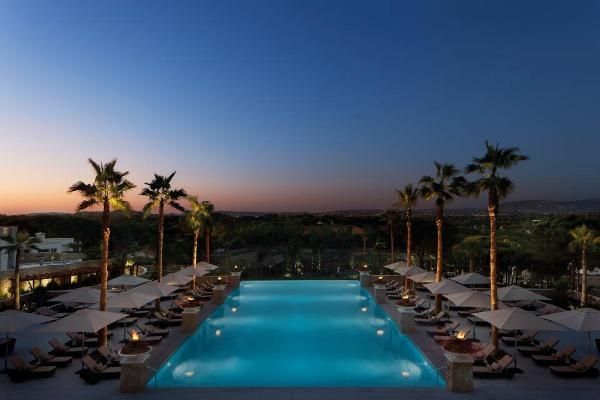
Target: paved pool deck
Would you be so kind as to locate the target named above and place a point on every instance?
(535, 383)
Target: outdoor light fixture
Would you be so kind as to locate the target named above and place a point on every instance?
(380, 332)
(219, 279)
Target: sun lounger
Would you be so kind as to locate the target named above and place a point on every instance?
(477, 321)
(561, 357)
(542, 348)
(439, 318)
(483, 354)
(583, 368)
(467, 313)
(107, 356)
(60, 349)
(425, 314)
(445, 330)
(161, 320)
(77, 339)
(153, 331)
(522, 340)
(95, 371)
(497, 369)
(49, 312)
(46, 359)
(25, 370)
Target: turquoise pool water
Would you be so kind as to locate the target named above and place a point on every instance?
(297, 334)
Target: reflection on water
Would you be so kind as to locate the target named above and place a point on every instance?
(311, 334)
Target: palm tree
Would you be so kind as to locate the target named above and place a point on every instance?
(471, 247)
(108, 191)
(207, 221)
(194, 220)
(442, 188)
(498, 187)
(407, 199)
(583, 238)
(390, 215)
(19, 244)
(160, 193)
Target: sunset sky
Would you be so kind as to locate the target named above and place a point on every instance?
(295, 105)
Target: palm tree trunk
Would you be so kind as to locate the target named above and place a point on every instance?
(471, 264)
(492, 209)
(408, 238)
(195, 248)
(364, 238)
(161, 234)
(102, 336)
(207, 244)
(439, 223)
(584, 286)
(18, 279)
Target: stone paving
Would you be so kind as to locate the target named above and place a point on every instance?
(534, 382)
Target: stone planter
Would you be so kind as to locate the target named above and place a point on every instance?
(235, 279)
(218, 294)
(365, 278)
(189, 319)
(134, 358)
(460, 372)
(406, 321)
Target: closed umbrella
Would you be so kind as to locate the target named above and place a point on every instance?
(580, 320)
(12, 321)
(445, 287)
(127, 280)
(517, 293)
(83, 295)
(471, 278)
(84, 321)
(514, 318)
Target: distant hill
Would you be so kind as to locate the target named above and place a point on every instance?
(551, 207)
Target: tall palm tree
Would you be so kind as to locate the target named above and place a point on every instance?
(442, 188)
(208, 210)
(19, 244)
(390, 216)
(471, 247)
(160, 193)
(407, 199)
(108, 191)
(497, 187)
(194, 220)
(583, 238)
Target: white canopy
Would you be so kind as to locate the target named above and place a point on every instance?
(191, 271)
(176, 279)
(470, 298)
(130, 299)
(471, 278)
(206, 266)
(82, 295)
(396, 267)
(154, 288)
(410, 271)
(445, 287)
(581, 320)
(13, 321)
(424, 277)
(517, 293)
(87, 321)
(127, 280)
(513, 318)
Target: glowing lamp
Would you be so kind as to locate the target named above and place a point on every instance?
(380, 332)
(218, 332)
(461, 335)
(364, 309)
(234, 309)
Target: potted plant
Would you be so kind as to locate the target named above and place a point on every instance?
(136, 351)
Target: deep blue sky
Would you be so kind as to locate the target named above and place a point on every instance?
(296, 105)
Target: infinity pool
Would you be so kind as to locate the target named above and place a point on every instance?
(297, 334)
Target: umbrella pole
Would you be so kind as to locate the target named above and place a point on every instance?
(82, 349)
(515, 353)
